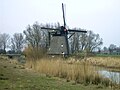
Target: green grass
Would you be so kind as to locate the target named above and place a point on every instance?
(107, 55)
(13, 77)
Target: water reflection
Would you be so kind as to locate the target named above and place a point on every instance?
(114, 76)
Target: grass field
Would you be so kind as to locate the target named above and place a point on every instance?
(14, 76)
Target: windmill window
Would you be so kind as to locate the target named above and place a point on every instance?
(63, 53)
(62, 45)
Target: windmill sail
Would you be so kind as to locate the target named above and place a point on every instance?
(63, 15)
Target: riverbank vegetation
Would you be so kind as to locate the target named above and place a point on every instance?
(13, 77)
(80, 72)
(106, 62)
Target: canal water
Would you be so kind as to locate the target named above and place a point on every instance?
(113, 76)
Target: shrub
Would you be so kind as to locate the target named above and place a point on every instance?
(34, 53)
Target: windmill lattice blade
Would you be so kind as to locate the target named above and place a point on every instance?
(70, 30)
(49, 28)
(63, 15)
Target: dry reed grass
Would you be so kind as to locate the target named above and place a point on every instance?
(14, 61)
(34, 53)
(80, 72)
(110, 62)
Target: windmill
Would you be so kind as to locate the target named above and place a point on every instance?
(58, 38)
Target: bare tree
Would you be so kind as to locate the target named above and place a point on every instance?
(75, 43)
(105, 50)
(89, 41)
(35, 36)
(93, 41)
(0, 41)
(17, 42)
(83, 41)
(4, 38)
(112, 47)
(36, 39)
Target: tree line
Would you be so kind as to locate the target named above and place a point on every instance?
(37, 39)
(111, 49)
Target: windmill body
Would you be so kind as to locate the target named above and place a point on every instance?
(58, 45)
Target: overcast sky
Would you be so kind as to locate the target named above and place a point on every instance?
(100, 16)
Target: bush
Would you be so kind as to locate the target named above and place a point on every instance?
(34, 53)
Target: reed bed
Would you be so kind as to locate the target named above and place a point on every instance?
(79, 72)
(109, 62)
